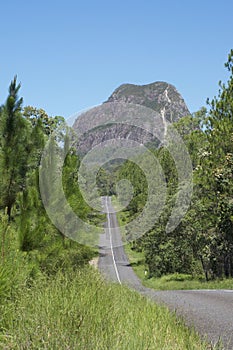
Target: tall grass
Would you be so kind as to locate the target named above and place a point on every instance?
(50, 300)
(80, 311)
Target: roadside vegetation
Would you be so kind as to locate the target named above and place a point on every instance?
(201, 247)
(49, 296)
(79, 310)
(175, 281)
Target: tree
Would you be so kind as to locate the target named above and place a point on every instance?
(219, 162)
(204, 238)
(13, 148)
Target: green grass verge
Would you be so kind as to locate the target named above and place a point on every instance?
(173, 281)
(169, 282)
(80, 311)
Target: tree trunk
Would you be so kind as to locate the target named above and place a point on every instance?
(204, 269)
(9, 208)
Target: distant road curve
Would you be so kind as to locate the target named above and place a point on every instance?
(209, 311)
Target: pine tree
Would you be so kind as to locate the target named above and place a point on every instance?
(13, 148)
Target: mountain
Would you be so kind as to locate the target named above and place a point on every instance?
(160, 98)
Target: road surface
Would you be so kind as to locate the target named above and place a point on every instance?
(209, 311)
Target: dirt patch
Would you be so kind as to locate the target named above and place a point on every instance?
(94, 262)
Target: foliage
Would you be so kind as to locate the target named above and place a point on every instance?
(40, 269)
(29, 243)
(13, 148)
(81, 311)
(203, 242)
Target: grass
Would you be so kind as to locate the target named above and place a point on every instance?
(169, 282)
(51, 300)
(80, 311)
(174, 281)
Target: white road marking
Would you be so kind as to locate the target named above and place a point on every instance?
(110, 235)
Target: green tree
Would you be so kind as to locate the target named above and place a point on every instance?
(218, 180)
(13, 148)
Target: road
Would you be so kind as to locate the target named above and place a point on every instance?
(209, 311)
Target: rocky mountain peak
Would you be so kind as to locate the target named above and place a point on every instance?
(161, 97)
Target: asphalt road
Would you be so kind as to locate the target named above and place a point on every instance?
(209, 311)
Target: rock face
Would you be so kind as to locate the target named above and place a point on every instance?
(160, 97)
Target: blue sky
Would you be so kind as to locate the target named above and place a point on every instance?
(71, 55)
